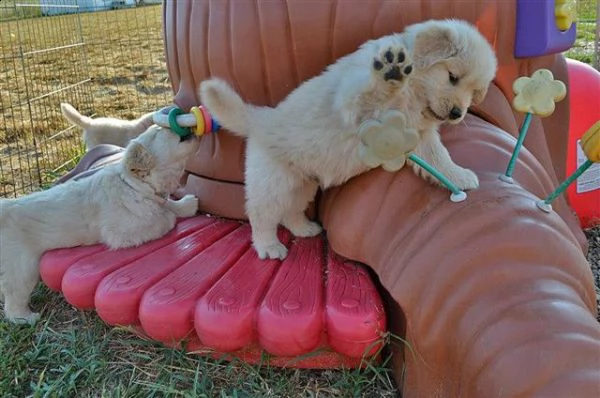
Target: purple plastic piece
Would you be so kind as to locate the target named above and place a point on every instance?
(537, 33)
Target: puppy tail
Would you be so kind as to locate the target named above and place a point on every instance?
(226, 106)
(74, 116)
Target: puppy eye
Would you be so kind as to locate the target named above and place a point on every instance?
(453, 78)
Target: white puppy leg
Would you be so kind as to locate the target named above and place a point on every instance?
(270, 188)
(435, 153)
(295, 220)
(19, 278)
(184, 207)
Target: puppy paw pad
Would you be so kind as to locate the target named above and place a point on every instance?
(393, 63)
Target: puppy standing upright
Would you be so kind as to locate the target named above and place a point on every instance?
(311, 139)
(122, 205)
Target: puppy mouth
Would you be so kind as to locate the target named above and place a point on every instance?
(430, 112)
(188, 137)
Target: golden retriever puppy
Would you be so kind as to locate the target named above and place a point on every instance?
(106, 130)
(122, 205)
(454, 66)
(311, 138)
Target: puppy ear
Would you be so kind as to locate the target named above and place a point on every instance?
(433, 44)
(138, 160)
(478, 96)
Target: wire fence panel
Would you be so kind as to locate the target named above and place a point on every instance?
(106, 58)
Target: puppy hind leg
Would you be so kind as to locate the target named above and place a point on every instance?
(264, 219)
(269, 195)
(295, 219)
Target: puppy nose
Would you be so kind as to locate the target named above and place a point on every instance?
(455, 113)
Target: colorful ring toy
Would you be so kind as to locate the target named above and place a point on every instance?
(177, 129)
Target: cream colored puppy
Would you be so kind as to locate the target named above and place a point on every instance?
(122, 205)
(106, 130)
(454, 66)
(310, 139)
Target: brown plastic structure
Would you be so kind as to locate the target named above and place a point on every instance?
(494, 296)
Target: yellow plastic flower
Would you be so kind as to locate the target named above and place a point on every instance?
(387, 142)
(538, 93)
(565, 13)
(590, 143)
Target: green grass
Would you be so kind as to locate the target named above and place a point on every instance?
(586, 9)
(72, 353)
(583, 49)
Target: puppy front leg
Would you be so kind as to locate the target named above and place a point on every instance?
(264, 224)
(19, 278)
(373, 80)
(295, 219)
(184, 207)
(435, 153)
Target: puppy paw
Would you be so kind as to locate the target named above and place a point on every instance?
(464, 179)
(272, 251)
(28, 318)
(187, 206)
(392, 64)
(306, 230)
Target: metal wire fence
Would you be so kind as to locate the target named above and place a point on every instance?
(106, 58)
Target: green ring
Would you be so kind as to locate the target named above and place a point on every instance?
(177, 129)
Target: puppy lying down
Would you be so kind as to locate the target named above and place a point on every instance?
(122, 205)
(432, 73)
(106, 130)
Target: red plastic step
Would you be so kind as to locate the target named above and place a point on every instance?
(167, 308)
(203, 286)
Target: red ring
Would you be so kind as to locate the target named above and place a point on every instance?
(207, 120)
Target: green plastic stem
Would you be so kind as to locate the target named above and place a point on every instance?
(515, 155)
(568, 182)
(435, 173)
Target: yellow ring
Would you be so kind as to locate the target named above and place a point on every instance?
(199, 120)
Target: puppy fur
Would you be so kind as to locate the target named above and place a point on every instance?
(123, 205)
(454, 66)
(310, 139)
(106, 130)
